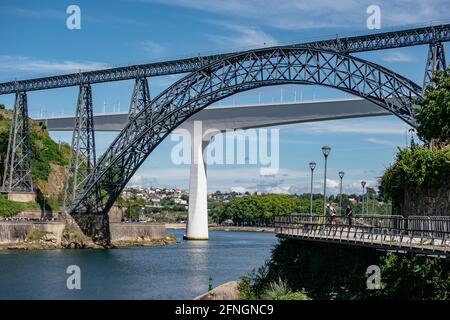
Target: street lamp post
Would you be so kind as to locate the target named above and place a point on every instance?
(412, 137)
(363, 184)
(312, 166)
(341, 175)
(326, 151)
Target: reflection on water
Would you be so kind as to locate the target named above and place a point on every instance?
(178, 271)
(196, 259)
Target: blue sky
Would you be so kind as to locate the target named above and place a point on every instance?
(36, 43)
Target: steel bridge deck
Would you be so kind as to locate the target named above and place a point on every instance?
(392, 234)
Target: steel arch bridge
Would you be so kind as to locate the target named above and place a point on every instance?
(230, 75)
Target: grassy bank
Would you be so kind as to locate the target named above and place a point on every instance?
(10, 208)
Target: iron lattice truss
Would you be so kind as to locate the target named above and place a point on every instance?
(82, 158)
(229, 76)
(17, 174)
(140, 97)
(435, 61)
(378, 41)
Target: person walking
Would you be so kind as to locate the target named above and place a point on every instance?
(333, 214)
(328, 214)
(349, 214)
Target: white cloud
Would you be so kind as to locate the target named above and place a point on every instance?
(248, 179)
(332, 183)
(28, 64)
(42, 13)
(154, 49)
(303, 14)
(243, 37)
(398, 57)
(352, 126)
(381, 142)
(239, 189)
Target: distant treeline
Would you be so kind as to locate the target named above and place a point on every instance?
(260, 209)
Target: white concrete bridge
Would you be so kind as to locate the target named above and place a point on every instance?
(215, 120)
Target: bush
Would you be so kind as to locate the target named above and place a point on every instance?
(413, 277)
(433, 117)
(322, 271)
(35, 235)
(418, 167)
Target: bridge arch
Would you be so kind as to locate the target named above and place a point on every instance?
(231, 75)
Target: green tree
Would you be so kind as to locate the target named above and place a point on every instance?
(433, 117)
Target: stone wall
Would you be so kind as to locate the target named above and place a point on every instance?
(67, 234)
(136, 231)
(116, 214)
(21, 196)
(16, 232)
(36, 214)
(425, 202)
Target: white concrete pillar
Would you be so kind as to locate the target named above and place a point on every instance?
(197, 222)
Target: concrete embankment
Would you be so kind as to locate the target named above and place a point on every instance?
(17, 232)
(224, 228)
(66, 234)
(129, 234)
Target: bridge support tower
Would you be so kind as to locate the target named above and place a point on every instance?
(17, 179)
(197, 222)
(82, 158)
(140, 97)
(435, 61)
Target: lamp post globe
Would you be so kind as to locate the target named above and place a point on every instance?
(326, 151)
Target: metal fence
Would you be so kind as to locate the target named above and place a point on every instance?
(426, 233)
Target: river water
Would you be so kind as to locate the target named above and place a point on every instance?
(178, 271)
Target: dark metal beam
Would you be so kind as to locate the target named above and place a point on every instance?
(378, 41)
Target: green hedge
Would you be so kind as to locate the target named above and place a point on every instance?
(418, 167)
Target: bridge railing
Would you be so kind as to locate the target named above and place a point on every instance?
(387, 230)
(429, 226)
